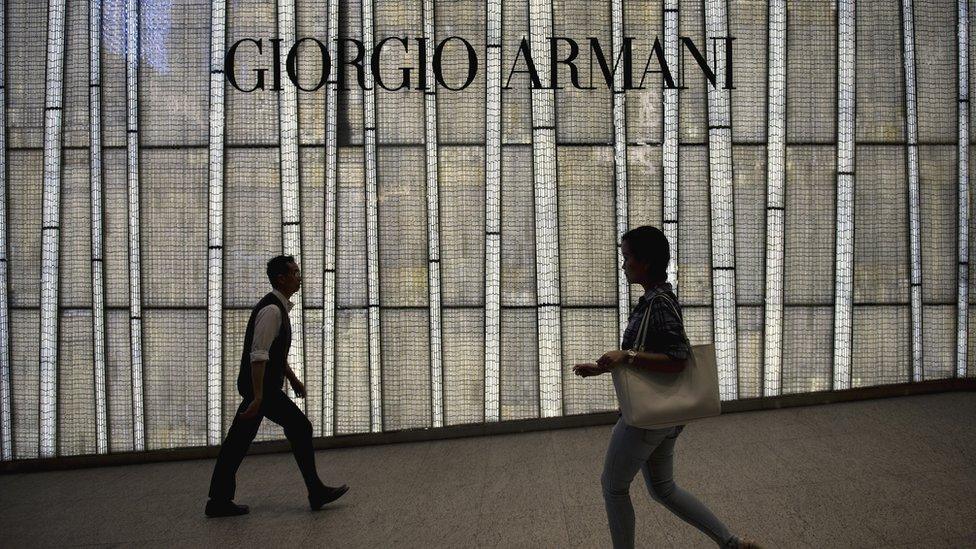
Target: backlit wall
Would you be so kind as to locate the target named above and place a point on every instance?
(459, 247)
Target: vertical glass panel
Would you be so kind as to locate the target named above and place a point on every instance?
(880, 226)
(938, 186)
(175, 362)
(312, 203)
(75, 253)
(937, 73)
(749, 25)
(939, 341)
(587, 333)
(252, 223)
(119, 379)
(749, 324)
(811, 75)
(810, 227)
(644, 192)
(76, 387)
(808, 343)
(252, 117)
(642, 21)
(24, 188)
(463, 110)
(406, 371)
(587, 235)
(25, 31)
(464, 375)
(692, 114)
(352, 372)
(174, 199)
(519, 364)
(516, 107)
(518, 276)
(402, 227)
(174, 42)
(116, 228)
(750, 224)
(399, 114)
(880, 86)
(25, 381)
(584, 116)
(881, 349)
(694, 234)
(351, 261)
(462, 238)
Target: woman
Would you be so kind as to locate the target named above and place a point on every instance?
(646, 255)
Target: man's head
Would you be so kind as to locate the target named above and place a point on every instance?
(646, 255)
(284, 274)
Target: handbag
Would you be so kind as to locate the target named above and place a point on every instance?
(655, 400)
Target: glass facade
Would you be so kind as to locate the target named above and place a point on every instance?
(459, 246)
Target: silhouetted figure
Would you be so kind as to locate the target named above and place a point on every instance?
(264, 367)
(646, 255)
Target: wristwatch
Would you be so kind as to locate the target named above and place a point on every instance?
(631, 356)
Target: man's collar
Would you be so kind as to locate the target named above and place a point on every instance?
(284, 300)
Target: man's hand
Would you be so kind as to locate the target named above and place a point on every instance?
(612, 358)
(298, 387)
(252, 410)
(588, 369)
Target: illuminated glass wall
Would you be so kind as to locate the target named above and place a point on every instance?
(459, 247)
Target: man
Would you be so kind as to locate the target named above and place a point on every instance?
(264, 365)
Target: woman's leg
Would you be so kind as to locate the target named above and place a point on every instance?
(627, 452)
(658, 473)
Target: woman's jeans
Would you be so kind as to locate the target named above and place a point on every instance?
(651, 451)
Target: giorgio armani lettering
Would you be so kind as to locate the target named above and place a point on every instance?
(249, 62)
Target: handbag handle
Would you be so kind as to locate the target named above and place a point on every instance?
(642, 331)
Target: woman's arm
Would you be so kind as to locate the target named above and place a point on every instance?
(658, 362)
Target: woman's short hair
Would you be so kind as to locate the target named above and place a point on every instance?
(649, 245)
(278, 265)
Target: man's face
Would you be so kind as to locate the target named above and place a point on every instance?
(292, 281)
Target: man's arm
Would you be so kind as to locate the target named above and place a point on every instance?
(257, 379)
(296, 384)
(290, 374)
(266, 327)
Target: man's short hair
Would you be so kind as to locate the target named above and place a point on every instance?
(649, 245)
(278, 265)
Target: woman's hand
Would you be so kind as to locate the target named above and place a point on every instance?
(612, 358)
(588, 369)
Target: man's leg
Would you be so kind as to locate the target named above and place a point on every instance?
(232, 451)
(298, 430)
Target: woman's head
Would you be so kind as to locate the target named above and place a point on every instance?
(646, 255)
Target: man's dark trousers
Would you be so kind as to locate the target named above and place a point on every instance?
(277, 407)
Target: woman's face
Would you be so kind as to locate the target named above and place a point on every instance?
(634, 270)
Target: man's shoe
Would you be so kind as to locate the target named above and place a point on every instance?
(326, 495)
(225, 509)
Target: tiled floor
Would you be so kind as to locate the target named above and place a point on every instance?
(897, 472)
